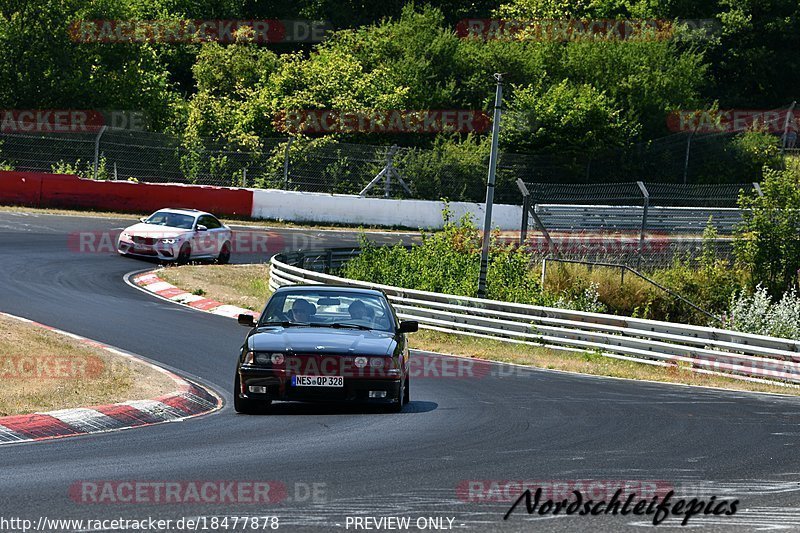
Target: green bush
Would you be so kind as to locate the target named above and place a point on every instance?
(767, 243)
(449, 262)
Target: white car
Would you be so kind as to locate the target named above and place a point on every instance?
(177, 235)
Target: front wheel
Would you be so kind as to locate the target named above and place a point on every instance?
(245, 405)
(185, 254)
(224, 254)
(397, 405)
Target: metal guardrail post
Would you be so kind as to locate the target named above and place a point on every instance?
(544, 270)
(386, 174)
(785, 136)
(286, 164)
(532, 211)
(645, 206)
(526, 206)
(97, 150)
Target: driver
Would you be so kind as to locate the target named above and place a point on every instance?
(301, 310)
(359, 311)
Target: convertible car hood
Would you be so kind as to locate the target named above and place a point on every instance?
(305, 340)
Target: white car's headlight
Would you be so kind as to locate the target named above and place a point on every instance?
(169, 241)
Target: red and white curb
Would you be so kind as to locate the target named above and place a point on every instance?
(150, 282)
(188, 400)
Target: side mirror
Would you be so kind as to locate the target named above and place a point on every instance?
(409, 326)
(201, 227)
(246, 320)
(142, 219)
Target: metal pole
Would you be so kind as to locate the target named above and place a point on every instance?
(523, 232)
(286, 164)
(686, 161)
(645, 206)
(487, 221)
(544, 270)
(786, 127)
(244, 177)
(387, 186)
(97, 149)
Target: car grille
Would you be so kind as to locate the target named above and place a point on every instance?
(144, 240)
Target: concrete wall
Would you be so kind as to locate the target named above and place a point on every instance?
(352, 209)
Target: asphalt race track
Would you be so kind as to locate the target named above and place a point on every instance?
(509, 424)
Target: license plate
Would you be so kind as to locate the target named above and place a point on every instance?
(317, 381)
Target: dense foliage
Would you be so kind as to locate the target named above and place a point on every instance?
(769, 238)
(581, 97)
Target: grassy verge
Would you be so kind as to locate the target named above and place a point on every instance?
(247, 286)
(43, 371)
(241, 285)
(242, 221)
(585, 363)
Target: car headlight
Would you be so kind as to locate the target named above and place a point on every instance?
(126, 235)
(360, 362)
(376, 362)
(262, 358)
(248, 358)
(169, 241)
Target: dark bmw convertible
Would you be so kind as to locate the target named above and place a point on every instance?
(324, 343)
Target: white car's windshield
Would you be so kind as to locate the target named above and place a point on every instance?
(173, 220)
(337, 309)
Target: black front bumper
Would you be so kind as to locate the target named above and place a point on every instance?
(279, 387)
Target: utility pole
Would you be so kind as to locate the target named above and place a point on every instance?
(487, 221)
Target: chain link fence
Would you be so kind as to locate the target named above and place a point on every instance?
(453, 171)
(642, 225)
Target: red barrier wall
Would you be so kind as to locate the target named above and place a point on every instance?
(20, 188)
(58, 190)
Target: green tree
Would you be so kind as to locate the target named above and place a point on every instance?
(767, 243)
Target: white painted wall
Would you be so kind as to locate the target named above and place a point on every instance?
(351, 209)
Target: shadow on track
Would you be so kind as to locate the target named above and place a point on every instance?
(297, 409)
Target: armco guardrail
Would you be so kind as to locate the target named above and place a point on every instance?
(680, 220)
(702, 349)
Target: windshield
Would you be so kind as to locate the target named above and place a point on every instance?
(172, 220)
(329, 308)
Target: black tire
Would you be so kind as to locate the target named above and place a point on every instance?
(185, 254)
(224, 254)
(397, 405)
(407, 392)
(245, 405)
